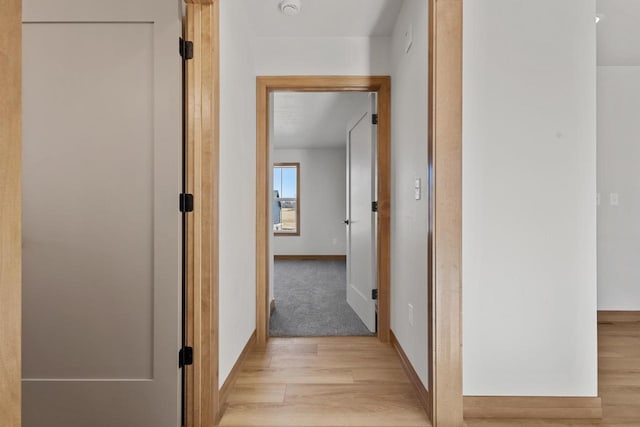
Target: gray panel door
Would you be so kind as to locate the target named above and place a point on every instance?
(101, 236)
(361, 228)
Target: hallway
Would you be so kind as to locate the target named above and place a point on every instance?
(358, 381)
(328, 381)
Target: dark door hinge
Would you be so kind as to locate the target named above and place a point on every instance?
(186, 49)
(374, 294)
(374, 206)
(185, 357)
(374, 119)
(186, 202)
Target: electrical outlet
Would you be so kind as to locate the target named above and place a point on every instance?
(411, 314)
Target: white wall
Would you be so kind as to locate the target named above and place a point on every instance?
(529, 180)
(237, 185)
(323, 202)
(318, 56)
(409, 217)
(321, 55)
(618, 160)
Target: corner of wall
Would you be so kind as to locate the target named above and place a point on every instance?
(409, 223)
(237, 285)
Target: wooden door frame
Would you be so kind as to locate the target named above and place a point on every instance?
(10, 212)
(264, 87)
(201, 27)
(444, 286)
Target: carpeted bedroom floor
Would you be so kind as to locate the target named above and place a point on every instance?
(311, 300)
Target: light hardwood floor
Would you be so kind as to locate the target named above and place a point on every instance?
(360, 382)
(335, 381)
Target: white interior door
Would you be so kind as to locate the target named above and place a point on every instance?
(101, 236)
(361, 220)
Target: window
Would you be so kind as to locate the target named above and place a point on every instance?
(286, 199)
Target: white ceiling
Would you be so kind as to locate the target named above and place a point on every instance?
(325, 18)
(314, 120)
(619, 32)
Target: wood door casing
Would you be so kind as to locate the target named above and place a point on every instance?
(445, 225)
(10, 212)
(201, 26)
(266, 85)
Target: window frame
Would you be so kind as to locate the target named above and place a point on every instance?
(295, 165)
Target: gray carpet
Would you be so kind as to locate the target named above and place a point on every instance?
(311, 300)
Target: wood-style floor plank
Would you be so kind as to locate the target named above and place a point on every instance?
(254, 360)
(337, 361)
(329, 382)
(295, 376)
(280, 347)
(380, 375)
(257, 393)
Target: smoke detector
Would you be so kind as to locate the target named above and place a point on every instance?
(290, 7)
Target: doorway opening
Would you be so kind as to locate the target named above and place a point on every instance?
(324, 162)
(323, 216)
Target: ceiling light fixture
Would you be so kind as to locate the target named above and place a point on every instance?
(290, 7)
